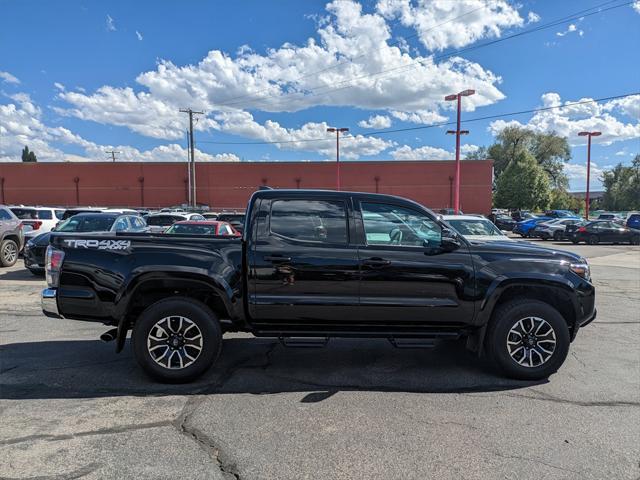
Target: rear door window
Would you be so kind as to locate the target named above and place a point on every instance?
(319, 221)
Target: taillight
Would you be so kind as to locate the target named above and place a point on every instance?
(54, 261)
(36, 224)
(582, 229)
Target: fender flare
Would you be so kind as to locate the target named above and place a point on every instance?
(149, 274)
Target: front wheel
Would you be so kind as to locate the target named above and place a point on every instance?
(176, 339)
(528, 339)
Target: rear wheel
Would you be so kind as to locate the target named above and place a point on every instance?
(528, 339)
(575, 241)
(176, 339)
(557, 236)
(8, 253)
(593, 240)
(635, 240)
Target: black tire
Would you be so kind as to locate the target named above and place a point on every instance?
(593, 240)
(9, 253)
(36, 273)
(557, 236)
(635, 240)
(195, 312)
(575, 241)
(505, 318)
(545, 238)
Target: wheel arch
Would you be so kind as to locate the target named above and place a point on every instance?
(148, 288)
(557, 294)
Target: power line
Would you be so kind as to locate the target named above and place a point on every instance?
(574, 16)
(435, 125)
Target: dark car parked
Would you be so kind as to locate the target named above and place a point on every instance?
(503, 222)
(11, 237)
(601, 231)
(35, 249)
(322, 264)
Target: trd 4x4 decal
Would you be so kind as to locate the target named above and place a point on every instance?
(99, 244)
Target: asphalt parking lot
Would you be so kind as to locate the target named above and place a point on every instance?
(71, 408)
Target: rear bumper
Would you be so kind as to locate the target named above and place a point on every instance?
(49, 300)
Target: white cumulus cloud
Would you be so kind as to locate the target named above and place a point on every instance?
(572, 119)
(443, 24)
(139, 35)
(376, 121)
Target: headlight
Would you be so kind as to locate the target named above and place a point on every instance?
(581, 269)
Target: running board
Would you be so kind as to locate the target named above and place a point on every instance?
(412, 342)
(304, 342)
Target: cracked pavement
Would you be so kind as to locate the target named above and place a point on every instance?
(71, 408)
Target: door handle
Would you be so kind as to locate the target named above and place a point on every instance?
(277, 258)
(376, 262)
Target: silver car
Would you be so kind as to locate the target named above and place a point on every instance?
(11, 237)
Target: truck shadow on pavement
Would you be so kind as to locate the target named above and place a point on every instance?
(91, 369)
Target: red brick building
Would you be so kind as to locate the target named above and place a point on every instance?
(229, 184)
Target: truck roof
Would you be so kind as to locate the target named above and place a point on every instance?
(303, 192)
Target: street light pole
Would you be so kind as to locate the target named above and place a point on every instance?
(458, 132)
(337, 131)
(586, 197)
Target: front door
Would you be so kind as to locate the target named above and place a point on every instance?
(305, 263)
(406, 276)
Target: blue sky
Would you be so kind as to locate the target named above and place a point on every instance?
(81, 77)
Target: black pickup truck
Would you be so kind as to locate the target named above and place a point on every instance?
(312, 265)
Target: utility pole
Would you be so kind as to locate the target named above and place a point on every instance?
(191, 113)
(586, 197)
(458, 132)
(338, 131)
(113, 154)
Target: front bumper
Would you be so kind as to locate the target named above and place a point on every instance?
(49, 300)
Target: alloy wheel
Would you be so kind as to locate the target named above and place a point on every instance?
(531, 341)
(174, 342)
(10, 252)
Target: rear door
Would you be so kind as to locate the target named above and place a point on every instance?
(304, 265)
(406, 277)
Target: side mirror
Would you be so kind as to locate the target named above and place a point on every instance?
(450, 240)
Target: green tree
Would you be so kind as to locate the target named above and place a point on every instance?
(523, 184)
(549, 150)
(561, 199)
(28, 156)
(622, 186)
(481, 153)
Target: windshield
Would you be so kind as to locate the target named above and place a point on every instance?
(97, 223)
(475, 227)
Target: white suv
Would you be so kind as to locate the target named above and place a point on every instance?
(37, 220)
